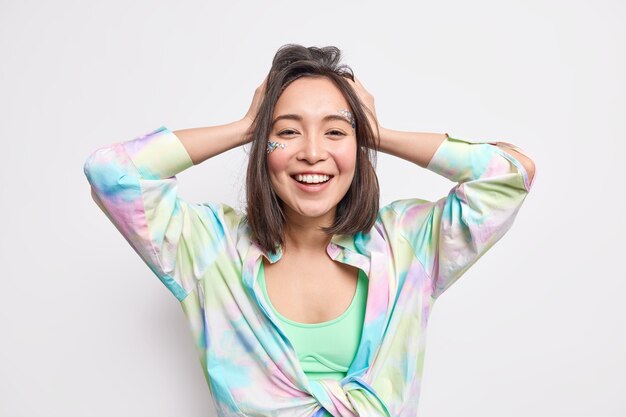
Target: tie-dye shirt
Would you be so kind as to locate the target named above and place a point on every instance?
(204, 256)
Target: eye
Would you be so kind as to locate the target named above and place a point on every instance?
(287, 132)
(336, 133)
(333, 132)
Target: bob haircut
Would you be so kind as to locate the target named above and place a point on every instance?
(358, 209)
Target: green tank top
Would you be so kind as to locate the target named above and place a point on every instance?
(326, 349)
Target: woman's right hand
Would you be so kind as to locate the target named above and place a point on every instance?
(256, 102)
(248, 119)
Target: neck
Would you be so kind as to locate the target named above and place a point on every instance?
(302, 234)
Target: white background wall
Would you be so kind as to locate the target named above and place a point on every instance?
(536, 327)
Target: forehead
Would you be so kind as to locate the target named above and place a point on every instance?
(311, 97)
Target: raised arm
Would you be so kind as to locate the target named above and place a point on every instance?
(449, 235)
(134, 183)
(419, 148)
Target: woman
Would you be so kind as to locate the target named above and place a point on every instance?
(315, 302)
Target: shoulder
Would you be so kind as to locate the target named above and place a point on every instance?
(405, 212)
(406, 224)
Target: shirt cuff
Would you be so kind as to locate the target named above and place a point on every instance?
(158, 154)
(460, 160)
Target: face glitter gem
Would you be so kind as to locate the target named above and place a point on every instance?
(348, 115)
(273, 145)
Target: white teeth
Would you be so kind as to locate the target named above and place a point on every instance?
(312, 179)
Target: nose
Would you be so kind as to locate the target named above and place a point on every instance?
(313, 149)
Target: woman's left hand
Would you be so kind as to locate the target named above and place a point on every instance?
(368, 101)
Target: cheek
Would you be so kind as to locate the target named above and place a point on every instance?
(278, 166)
(276, 163)
(346, 159)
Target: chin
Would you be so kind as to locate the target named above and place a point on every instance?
(312, 212)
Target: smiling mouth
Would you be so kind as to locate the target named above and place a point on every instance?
(312, 179)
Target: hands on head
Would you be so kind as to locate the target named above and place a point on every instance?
(365, 96)
(256, 102)
(368, 101)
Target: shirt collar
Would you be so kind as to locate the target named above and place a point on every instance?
(337, 243)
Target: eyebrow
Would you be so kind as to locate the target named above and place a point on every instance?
(299, 118)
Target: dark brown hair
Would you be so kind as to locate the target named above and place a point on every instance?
(358, 209)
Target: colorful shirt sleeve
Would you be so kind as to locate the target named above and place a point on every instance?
(449, 235)
(134, 184)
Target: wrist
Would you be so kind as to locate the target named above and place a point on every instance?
(384, 135)
(241, 129)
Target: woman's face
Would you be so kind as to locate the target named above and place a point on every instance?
(317, 138)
